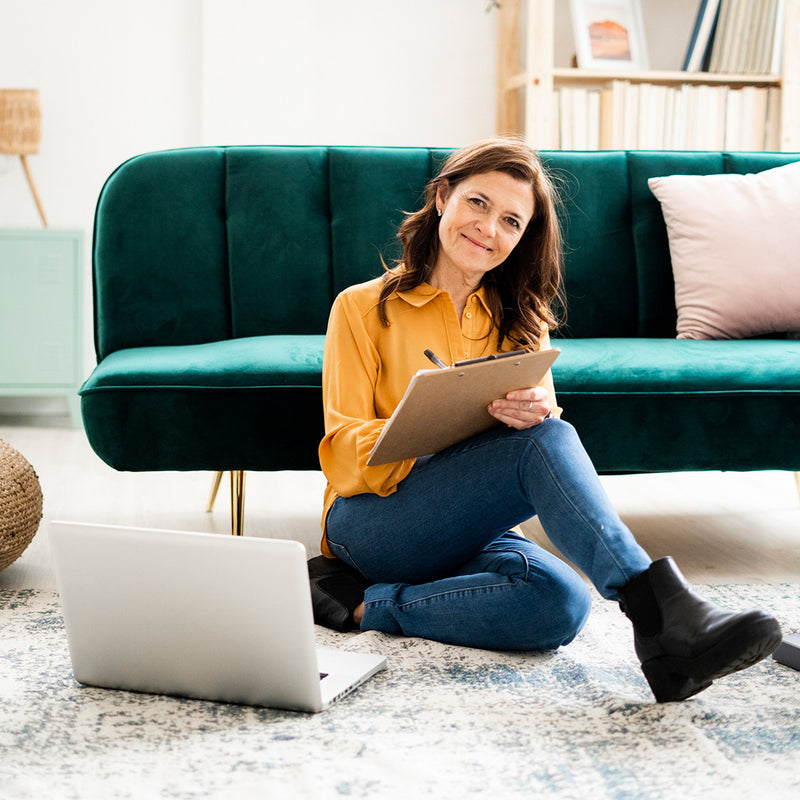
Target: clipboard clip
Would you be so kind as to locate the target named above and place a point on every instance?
(439, 363)
(495, 357)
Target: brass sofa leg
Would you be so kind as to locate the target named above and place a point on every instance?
(237, 502)
(214, 489)
(237, 499)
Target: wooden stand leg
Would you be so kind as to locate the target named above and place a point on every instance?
(797, 481)
(36, 199)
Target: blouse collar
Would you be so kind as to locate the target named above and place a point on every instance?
(423, 293)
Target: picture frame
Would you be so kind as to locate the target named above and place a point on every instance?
(609, 35)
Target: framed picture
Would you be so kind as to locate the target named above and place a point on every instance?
(609, 35)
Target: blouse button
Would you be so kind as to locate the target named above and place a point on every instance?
(468, 315)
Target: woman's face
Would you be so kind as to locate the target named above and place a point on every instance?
(483, 219)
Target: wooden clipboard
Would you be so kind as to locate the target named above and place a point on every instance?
(444, 406)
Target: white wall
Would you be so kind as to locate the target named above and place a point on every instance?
(380, 72)
(115, 78)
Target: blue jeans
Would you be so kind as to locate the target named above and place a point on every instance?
(445, 564)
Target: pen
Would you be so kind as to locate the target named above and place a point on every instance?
(436, 360)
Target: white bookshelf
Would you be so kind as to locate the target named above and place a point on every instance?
(529, 83)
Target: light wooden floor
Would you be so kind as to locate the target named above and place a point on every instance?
(720, 527)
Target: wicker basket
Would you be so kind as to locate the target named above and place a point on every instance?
(20, 504)
(20, 121)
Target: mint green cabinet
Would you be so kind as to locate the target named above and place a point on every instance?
(40, 314)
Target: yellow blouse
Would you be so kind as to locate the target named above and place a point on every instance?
(367, 367)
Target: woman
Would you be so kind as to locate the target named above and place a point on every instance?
(425, 547)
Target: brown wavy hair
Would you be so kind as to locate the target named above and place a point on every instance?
(520, 292)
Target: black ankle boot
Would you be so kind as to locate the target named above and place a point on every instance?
(684, 641)
(337, 590)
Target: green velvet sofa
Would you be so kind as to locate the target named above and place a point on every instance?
(214, 270)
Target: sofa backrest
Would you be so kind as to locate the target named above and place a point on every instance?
(204, 244)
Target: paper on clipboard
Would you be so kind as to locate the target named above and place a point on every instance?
(444, 406)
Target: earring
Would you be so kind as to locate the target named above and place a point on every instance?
(439, 211)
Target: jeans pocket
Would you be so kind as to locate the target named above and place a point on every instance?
(341, 552)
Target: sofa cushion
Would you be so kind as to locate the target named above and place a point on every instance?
(251, 403)
(279, 239)
(672, 366)
(372, 189)
(256, 361)
(653, 405)
(160, 252)
(735, 250)
(600, 268)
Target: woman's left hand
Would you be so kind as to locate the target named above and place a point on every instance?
(522, 408)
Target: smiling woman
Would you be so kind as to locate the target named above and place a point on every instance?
(482, 220)
(508, 176)
(427, 547)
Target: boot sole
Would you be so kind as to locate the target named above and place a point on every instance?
(672, 678)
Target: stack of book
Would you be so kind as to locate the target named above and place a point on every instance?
(646, 116)
(741, 37)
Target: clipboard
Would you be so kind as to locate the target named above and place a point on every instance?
(442, 407)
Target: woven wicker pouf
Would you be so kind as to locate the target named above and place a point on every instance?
(20, 504)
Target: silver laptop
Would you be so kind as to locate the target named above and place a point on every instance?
(201, 615)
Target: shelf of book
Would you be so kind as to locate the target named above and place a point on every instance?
(570, 108)
(649, 115)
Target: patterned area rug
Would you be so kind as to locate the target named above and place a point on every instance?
(442, 721)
